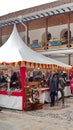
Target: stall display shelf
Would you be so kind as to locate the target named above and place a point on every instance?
(29, 104)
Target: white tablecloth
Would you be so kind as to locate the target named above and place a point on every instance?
(13, 102)
(67, 91)
(44, 95)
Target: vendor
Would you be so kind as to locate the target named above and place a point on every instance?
(14, 78)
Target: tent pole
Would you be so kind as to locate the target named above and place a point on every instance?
(22, 79)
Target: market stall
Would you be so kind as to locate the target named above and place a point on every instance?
(16, 54)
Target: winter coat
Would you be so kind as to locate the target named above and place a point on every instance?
(53, 84)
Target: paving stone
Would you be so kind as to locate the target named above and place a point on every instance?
(58, 117)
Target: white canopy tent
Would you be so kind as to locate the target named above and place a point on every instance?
(15, 50)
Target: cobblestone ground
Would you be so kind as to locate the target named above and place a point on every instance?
(49, 118)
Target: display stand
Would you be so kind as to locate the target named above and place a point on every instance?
(11, 100)
(44, 95)
(29, 103)
(13, 97)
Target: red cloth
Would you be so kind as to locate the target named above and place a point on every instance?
(45, 89)
(22, 78)
(71, 74)
(71, 84)
(22, 75)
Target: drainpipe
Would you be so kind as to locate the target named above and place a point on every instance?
(26, 31)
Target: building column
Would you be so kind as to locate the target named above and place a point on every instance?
(69, 31)
(46, 32)
(69, 55)
(27, 34)
(69, 59)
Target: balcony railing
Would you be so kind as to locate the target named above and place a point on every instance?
(64, 46)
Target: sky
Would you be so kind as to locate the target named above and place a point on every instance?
(8, 6)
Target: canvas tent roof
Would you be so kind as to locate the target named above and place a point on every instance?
(15, 50)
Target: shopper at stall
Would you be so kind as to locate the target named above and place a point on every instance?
(13, 79)
(53, 82)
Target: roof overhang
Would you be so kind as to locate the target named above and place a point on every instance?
(62, 9)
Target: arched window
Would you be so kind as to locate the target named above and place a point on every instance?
(64, 34)
(48, 36)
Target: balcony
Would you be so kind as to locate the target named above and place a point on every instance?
(53, 47)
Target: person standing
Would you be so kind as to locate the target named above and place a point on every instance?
(61, 87)
(53, 83)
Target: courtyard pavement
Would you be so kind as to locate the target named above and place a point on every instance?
(49, 118)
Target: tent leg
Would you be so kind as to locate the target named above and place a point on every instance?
(22, 78)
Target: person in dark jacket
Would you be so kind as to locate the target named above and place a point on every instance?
(13, 79)
(53, 84)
